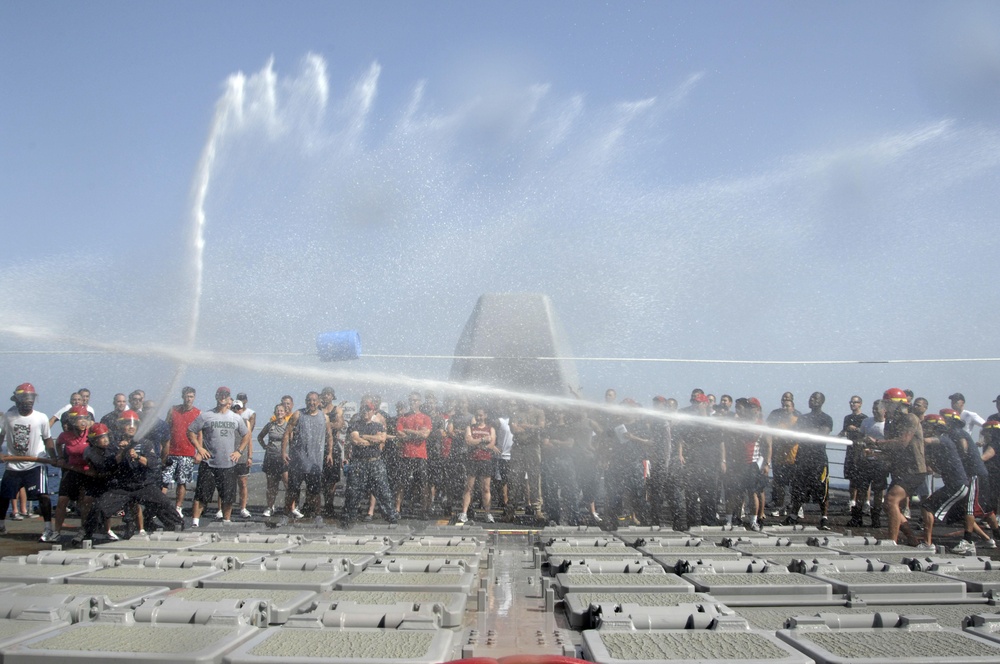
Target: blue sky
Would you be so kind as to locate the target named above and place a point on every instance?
(703, 180)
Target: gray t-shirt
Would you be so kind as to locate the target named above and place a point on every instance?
(275, 433)
(308, 448)
(222, 433)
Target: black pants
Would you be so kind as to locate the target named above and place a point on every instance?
(154, 503)
(560, 491)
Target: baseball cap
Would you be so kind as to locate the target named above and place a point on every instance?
(222, 392)
(237, 404)
(957, 395)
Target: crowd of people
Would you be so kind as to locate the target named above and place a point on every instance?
(711, 462)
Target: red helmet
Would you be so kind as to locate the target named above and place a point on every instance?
(895, 394)
(129, 415)
(97, 431)
(22, 390)
(934, 418)
(991, 424)
(79, 411)
(950, 415)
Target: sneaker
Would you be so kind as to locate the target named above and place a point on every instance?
(195, 522)
(461, 518)
(245, 513)
(49, 535)
(141, 533)
(180, 511)
(268, 512)
(791, 520)
(965, 547)
(367, 518)
(867, 509)
(906, 513)
(775, 513)
(296, 514)
(824, 524)
(851, 504)
(17, 516)
(227, 522)
(802, 513)
(596, 517)
(219, 514)
(990, 544)
(924, 547)
(112, 536)
(755, 526)
(489, 518)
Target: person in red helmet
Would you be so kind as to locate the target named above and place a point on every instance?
(991, 458)
(70, 447)
(942, 456)
(978, 476)
(28, 439)
(903, 446)
(133, 479)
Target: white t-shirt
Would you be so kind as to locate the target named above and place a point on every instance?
(871, 427)
(62, 411)
(505, 438)
(971, 420)
(25, 435)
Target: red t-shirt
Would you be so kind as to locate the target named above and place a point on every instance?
(481, 434)
(179, 423)
(73, 447)
(413, 448)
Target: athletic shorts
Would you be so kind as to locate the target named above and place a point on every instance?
(753, 481)
(914, 484)
(479, 468)
(331, 471)
(945, 499)
(313, 479)
(872, 472)
(73, 484)
(437, 471)
(33, 481)
(178, 470)
(502, 470)
(810, 482)
(274, 465)
(242, 469)
(210, 479)
(414, 468)
(991, 494)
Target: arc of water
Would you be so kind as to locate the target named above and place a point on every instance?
(230, 104)
(187, 355)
